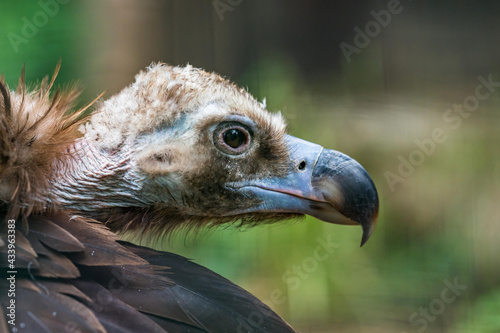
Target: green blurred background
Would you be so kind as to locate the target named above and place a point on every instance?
(438, 222)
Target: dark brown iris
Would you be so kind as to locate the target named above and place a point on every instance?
(234, 137)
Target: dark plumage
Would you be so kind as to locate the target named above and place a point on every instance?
(179, 148)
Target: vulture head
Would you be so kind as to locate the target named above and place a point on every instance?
(181, 147)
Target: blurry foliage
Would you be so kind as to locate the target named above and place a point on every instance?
(60, 38)
(441, 223)
(483, 316)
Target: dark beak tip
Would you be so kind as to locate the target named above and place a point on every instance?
(367, 232)
(368, 228)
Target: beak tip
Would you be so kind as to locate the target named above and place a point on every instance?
(367, 232)
(368, 229)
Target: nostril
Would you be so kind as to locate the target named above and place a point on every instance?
(302, 165)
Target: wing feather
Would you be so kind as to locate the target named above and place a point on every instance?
(25, 254)
(53, 236)
(200, 297)
(40, 309)
(108, 308)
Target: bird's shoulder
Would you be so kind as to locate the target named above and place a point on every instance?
(71, 272)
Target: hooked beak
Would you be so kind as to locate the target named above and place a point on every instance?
(323, 183)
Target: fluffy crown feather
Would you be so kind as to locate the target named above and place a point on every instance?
(36, 130)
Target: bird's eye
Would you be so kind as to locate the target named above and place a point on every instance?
(232, 138)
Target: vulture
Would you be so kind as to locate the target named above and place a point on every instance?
(178, 149)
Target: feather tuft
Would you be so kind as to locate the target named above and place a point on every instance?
(36, 130)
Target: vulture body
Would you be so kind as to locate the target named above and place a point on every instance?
(180, 148)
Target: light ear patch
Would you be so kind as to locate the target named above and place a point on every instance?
(157, 161)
